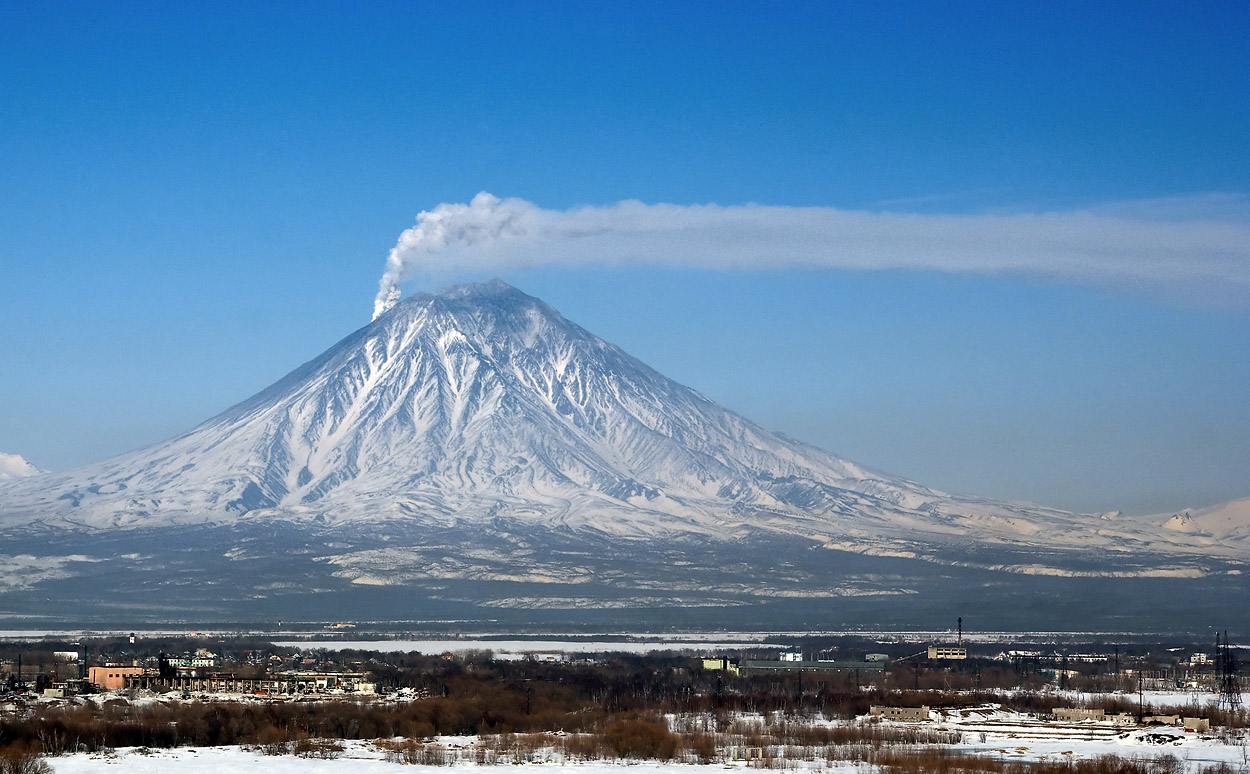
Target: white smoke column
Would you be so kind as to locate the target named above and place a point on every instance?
(15, 466)
(482, 221)
(1197, 247)
(388, 295)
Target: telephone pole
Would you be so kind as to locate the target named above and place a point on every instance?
(1230, 684)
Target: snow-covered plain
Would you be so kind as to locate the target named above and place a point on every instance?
(986, 730)
(993, 731)
(1194, 753)
(359, 756)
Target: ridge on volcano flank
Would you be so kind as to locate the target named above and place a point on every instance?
(481, 405)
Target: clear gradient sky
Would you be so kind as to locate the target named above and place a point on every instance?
(195, 198)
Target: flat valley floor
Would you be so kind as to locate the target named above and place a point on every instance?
(1001, 736)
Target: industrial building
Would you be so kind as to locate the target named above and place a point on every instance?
(720, 665)
(111, 678)
(910, 714)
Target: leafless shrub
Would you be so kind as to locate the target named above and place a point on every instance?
(701, 746)
(585, 747)
(639, 737)
(401, 751)
(317, 748)
(22, 759)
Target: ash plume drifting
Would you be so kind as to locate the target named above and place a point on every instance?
(1197, 248)
(448, 227)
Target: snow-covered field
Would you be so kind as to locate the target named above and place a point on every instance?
(359, 756)
(1021, 736)
(984, 731)
(1193, 753)
(218, 760)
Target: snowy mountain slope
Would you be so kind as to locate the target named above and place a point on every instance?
(15, 466)
(1225, 525)
(481, 404)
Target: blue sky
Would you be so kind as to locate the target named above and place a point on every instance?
(199, 197)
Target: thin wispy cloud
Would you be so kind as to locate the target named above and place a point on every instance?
(1195, 247)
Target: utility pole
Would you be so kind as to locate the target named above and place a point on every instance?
(1141, 697)
(1230, 685)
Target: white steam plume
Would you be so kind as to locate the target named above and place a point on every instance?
(1192, 245)
(450, 229)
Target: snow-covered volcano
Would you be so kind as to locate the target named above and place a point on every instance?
(481, 404)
